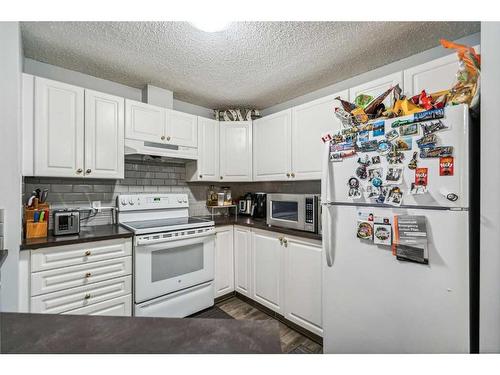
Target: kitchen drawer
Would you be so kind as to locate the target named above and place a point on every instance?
(121, 306)
(82, 296)
(84, 274)
(71, 255)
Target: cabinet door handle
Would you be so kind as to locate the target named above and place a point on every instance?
(285, 242)
(87, 253)
(288, 174)
(88, 274)
(87, 296)
(168, 138)
(201, 176)
(221, 177)
(88, 171)
(162, 137)
(293, 174)
(79, 170)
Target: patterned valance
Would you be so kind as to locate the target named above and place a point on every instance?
(243, 114)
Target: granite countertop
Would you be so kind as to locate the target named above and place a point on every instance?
(87, 234)
(248, 221)
(3, 256)
(49, 333)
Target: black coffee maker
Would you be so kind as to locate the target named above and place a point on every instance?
(259, 205)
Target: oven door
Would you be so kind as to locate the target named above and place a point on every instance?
(286, 210)
(168, 265)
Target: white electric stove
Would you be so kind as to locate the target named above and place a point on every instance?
(173, 254)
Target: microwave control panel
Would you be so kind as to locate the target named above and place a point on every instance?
(310, 210)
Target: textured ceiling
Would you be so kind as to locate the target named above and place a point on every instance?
(254, 64)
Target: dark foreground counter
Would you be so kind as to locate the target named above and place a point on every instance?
(47, 333)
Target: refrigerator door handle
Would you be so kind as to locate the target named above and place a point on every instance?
(327, 236)
(326, 175)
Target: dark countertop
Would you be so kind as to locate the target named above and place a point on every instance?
(3, 256)
(247, 221)
(49, 333)
(87, 234)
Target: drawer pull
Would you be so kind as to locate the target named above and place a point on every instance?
(88, 274)
(87, 253)
(87, 296)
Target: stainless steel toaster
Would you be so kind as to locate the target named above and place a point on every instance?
(66, 222)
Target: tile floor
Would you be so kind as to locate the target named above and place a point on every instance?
(291, 340)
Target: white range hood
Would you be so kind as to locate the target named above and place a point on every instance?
(134, 147)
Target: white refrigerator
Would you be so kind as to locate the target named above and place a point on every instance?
(375, 303)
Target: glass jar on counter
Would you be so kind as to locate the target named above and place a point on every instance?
(228, 200)
(212, 196)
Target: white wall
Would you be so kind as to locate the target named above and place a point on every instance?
(57, 73)
(396, 66)
(490, 182)
(10, 157)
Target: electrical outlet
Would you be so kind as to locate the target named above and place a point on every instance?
(96, 205)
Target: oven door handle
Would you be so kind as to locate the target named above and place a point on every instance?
(172, 242)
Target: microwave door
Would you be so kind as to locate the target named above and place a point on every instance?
(288, 212)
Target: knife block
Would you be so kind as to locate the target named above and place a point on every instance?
(38, 229)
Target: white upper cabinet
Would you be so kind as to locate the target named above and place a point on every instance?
(104, 135)
(433, 76)
(310, 121)
(59, 129)
(182, 129)
(377, 87)
(224, 261)
(145, 122)
(208, 150)
(235, 151)
(303, 265)
(272, 147)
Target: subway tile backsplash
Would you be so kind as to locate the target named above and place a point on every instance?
(143, 175)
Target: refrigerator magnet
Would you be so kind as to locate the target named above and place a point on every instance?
(376, 159)
(394, 175)
(413, 162)
(392, 135)
(436, 152)
(354, 188)
(382, 234)
(404, 143)
(394, 196)
(375, 173)
(408, 130)
(417, 189)
(365, 230)
(433, 126)
(384, 147)
(428, 140)
(378, 128)
(395, 157)
(421, 176)
(446, 166)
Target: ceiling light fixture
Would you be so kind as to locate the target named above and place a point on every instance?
(211, 26)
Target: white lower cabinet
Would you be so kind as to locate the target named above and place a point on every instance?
(74, 298)
(242, 260)
(267, 270)
(282, 273)
(224, 261)
(92, 278)
(121, 306)
(303, 284)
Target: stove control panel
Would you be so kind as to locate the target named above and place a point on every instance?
(134, 202)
